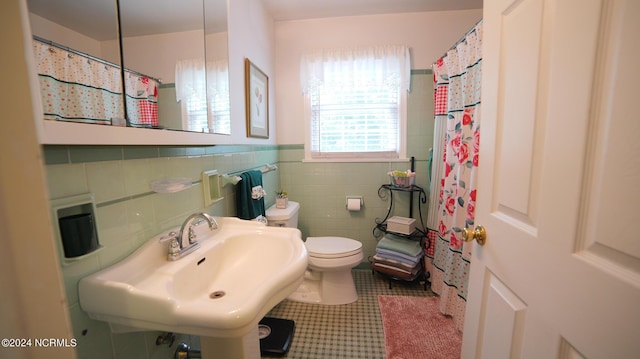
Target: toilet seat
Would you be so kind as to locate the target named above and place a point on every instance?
(332, 247)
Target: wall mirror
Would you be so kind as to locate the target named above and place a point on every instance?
(180, 48)
(75, 87)
(159, 40)
(217, 56)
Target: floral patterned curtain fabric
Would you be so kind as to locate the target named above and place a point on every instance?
(457, 79)
(142, 99)
(76, 88)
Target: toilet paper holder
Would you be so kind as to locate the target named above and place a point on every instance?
(346, 204)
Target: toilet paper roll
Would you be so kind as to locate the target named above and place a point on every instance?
(353, 204)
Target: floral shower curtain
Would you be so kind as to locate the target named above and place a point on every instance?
(457, 79)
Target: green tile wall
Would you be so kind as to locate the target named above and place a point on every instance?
(128, 212)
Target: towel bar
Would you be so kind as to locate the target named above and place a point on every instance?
(226, 179)
(233, 179)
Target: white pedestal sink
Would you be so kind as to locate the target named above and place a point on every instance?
(219, 292)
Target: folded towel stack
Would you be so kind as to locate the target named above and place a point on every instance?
(398, 257)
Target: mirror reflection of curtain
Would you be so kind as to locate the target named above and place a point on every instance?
(204, 95)
(76, 88)
(142, 99)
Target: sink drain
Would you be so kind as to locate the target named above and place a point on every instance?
(217, 294)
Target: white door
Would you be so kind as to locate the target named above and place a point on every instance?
(558, 185)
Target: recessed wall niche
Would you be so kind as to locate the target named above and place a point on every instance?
(75, 227)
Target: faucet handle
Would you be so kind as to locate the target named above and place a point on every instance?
(169, 236)
(192, 234)
(174, 246)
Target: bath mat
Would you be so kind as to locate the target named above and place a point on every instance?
(415, 328)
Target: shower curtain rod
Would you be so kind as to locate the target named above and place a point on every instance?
(459, 41)
(90, 57)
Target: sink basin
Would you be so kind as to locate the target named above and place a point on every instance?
(222, 289)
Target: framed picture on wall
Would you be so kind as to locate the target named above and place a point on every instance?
(257, 100)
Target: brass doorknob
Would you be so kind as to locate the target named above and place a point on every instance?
(479, 234)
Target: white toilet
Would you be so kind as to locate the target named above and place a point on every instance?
(328, 279)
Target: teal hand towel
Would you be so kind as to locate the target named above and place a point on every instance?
(247, 207)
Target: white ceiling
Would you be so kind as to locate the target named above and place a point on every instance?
(96, 18)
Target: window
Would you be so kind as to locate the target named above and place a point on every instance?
(355, 103)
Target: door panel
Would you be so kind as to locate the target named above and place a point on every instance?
(503, 324)
(517, 96)
(613, 154)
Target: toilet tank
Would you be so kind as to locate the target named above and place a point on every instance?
(283, 217)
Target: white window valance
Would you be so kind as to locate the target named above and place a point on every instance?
(351, 67)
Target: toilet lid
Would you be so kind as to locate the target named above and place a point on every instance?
(332, 247)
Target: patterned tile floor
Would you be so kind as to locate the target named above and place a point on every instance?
(344, 331)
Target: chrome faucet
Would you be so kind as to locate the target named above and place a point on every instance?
(177, 247)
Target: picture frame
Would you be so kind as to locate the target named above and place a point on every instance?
(257, 100)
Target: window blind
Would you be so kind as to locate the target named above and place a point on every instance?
(197, 113)
(354, 120)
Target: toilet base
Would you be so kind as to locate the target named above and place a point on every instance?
(328, 288)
